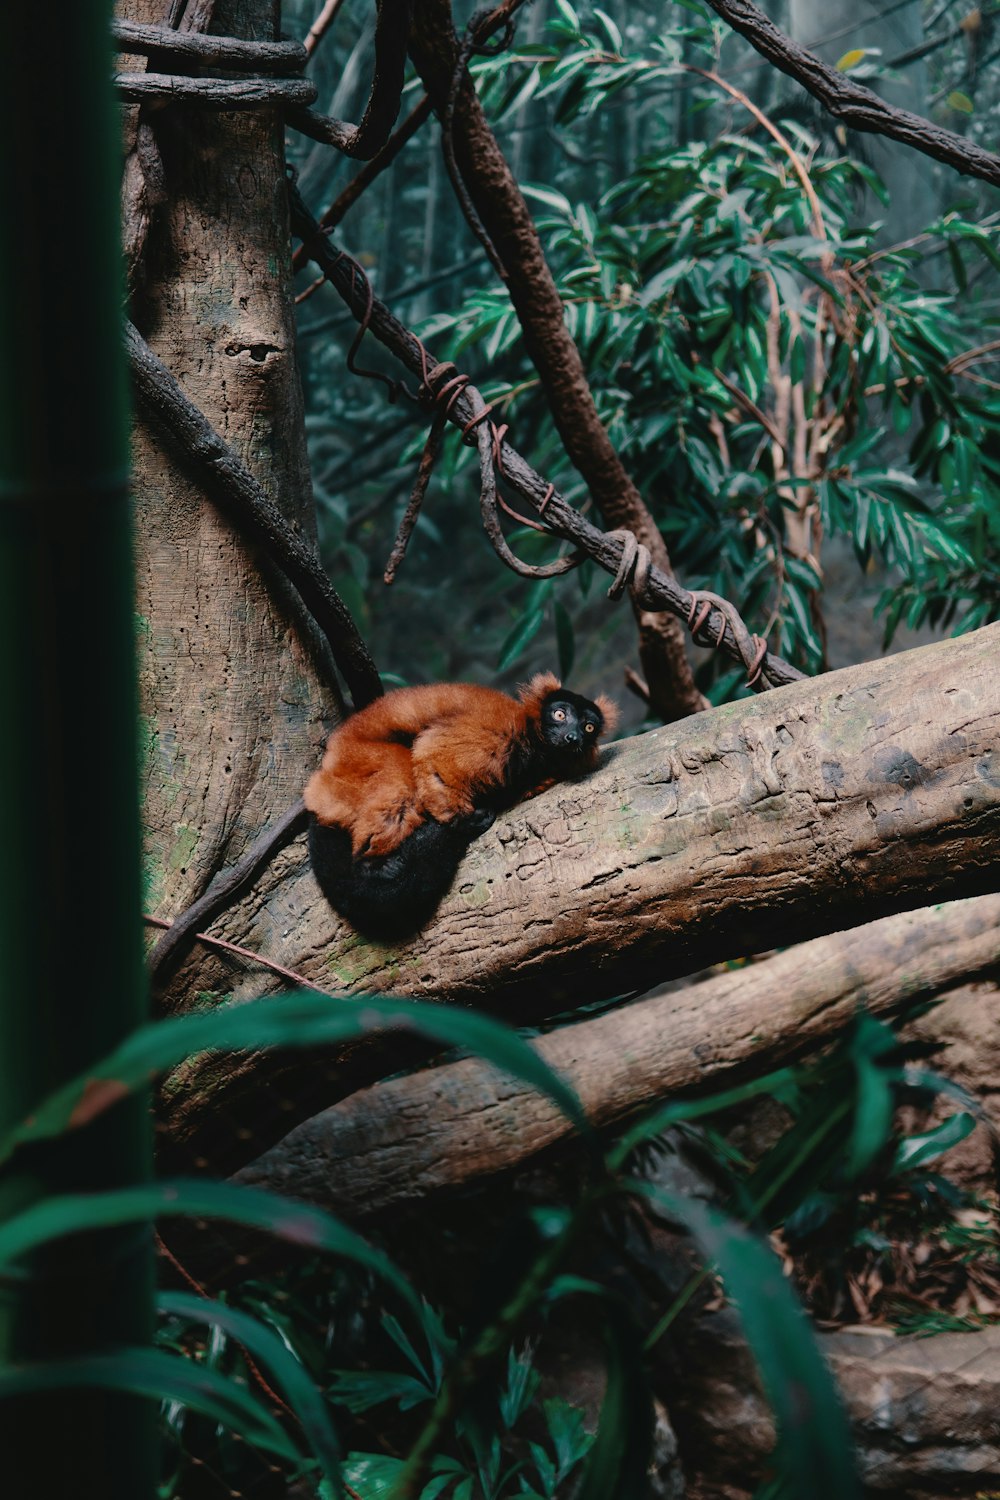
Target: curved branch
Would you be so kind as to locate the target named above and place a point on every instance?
(227, 886)
(392, 31)
(164, 401)
(364, 179)
(417, 116)
(851, 102)
(778, 136)
(662, 591)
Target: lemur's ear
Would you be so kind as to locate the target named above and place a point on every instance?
(610, 711)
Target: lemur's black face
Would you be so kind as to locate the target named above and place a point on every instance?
(570, 724)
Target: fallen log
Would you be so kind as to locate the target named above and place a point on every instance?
(923, 1410)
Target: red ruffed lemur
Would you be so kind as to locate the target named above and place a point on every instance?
(407, 783)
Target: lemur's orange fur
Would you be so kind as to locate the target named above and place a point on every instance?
(426, 752)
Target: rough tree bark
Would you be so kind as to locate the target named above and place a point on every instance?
(870, 790)
(235, 704)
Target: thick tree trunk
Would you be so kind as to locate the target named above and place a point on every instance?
(769, 821)
(235, 704)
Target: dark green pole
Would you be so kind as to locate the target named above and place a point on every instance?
(71, 977)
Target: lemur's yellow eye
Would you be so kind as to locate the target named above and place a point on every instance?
(588, 728)
(559, 714)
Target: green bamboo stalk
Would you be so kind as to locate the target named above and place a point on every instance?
(71, 981)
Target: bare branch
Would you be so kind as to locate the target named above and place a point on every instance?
(322, 24)
(210, 51)
(851, 102)
(662, 592)
(857, 795)
(216, 93)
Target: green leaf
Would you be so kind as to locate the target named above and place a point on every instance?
(360, 1390)
(522, 635)
(160, 1376)
(522, 94)
(588, 222)
(550, 197)
(436, 1339)
(297, 1384)
(436, 1486)
(565, 641)
(872, 1122)
(914, 1150)
(611, 30)
(957, 100)
(302, 1018)
(695, 1109)
(568, 1435)
(616, 1464)
(515, 1395)
(301, 1224)
(568, 14)
(373, 1475)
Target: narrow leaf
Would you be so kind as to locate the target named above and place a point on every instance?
(162, 1377)
(303, 1018)
(522, 634)
(917, 1149)
(297, 1384)
(565, 641)
(74, 1213)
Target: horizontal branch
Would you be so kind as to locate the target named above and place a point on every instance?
(406, 1138)
(210, 51)
(216, 93)
(851, 102)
